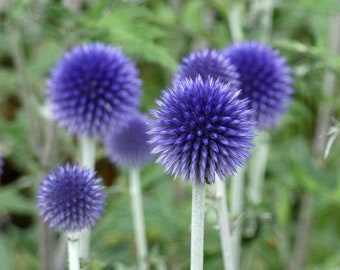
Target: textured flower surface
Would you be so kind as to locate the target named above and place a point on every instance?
(127, 144)
(201, 127)
(70, 198)
(92, 86)
(265, 79)
(207, 63)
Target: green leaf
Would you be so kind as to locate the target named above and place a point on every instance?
(12, 201)
(5, 254)
(140, 39)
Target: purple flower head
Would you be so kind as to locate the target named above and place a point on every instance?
(202, 127)
(92, 86)
(70, 198)
(126, 145)
(208, 63)
(265, 79)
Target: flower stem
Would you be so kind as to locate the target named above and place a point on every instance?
(73, 5)
(236, 207)
(138, 218)
(87, 152)
(224, 226)
(197, 226)
(305, 222)
(267, 19)
(87, 159)
(73, 251)
(257, 167)
(234, 20)
(237, 182)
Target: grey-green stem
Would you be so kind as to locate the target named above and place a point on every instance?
(73, 251)
(197, 226)
(138, 218)
(224, 224)
(304, 226)
(236, 209)
(87, 160)
(257, 167)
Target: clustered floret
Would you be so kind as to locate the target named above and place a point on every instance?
(70, 198)
(92, 87)
(265, 79)
(207, 63)
(127, 145)
(201, 128)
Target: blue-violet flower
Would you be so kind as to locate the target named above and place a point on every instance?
(92, 86)
(127, 144)
(71, 198)
(202, 128)
(265, 79)
(207, 63)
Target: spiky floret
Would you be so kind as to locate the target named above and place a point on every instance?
(201, 127)
(70, 198)
(126, 145)
(207, 63)
(92, 86)
(265, 79)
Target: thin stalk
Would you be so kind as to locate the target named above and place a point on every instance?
(235, 22)
(46, 236)
(303, 232)
(304, 226)
(257, 167)
(237, 182)
(267, 19)
(208, 20)
(73, 5)
(197, 226)
(33, 127)
(73, 251)
(236, 207)
(138, 218)
(87, 152)
(46, 240)
(87, 159)
(60, 254)
(224, 225)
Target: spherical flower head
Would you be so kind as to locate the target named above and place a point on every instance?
(207, 63)
(265, 79)
(92, 86)
(201, 127)
(127, 144)
(70, 198)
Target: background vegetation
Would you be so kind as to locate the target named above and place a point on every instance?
(302, 188)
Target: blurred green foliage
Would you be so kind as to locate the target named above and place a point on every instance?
(157, 34)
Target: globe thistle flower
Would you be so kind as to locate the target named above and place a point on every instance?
(265, 79)
(202, 127)
(91, 86)
(70, 198)
(126, 145)
(207, 63)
